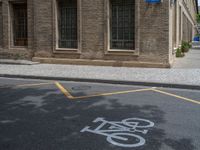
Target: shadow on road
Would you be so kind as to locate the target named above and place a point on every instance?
(41, 119)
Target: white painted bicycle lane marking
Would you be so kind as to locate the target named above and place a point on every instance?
(120, 133)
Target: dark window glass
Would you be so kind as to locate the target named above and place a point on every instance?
(122, 24)
(68, 24)
(20, 24)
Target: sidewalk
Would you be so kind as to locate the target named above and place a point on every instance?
(140, 76)
(190, 61)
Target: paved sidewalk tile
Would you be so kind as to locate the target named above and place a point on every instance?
(191, 60)
(169, 76)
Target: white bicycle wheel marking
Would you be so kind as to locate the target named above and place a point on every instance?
(124, 133)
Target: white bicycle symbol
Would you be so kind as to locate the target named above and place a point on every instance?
(120, 133)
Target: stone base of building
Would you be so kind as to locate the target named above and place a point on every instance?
(101, 62)
(16, 54)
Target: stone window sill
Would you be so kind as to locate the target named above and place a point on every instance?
(67, 50)
(122, 52)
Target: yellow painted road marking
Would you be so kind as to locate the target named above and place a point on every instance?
(113, 93)
(68, 95)
(177, 96)
(36, 84)
(64, 91)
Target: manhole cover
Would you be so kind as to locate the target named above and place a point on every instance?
(78, 88)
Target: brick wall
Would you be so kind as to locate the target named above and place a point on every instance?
(43, 28)
(152, 28)
(1, 24)
(154, 31)
(151, 31)
(92, 29)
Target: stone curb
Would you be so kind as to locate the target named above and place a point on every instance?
(17, 62)
(138, 83)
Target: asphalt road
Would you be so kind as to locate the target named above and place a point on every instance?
(48, 115)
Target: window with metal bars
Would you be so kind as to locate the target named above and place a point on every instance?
(20, 24)
(67, 23)
(122, 24)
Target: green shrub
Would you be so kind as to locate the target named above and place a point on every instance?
(179, 52)
(185, 46)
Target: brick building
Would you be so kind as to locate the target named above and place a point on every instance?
(96, 32)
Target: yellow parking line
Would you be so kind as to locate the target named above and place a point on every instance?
(36, 84)
(177, 96)
(113, 93)
(64, 91)
(68, 95)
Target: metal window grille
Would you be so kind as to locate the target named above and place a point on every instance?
(122, 24)
(20, 24)
(68, 24)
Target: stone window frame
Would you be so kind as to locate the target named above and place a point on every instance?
(107, 49)
(10, 24)
(56, 48)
